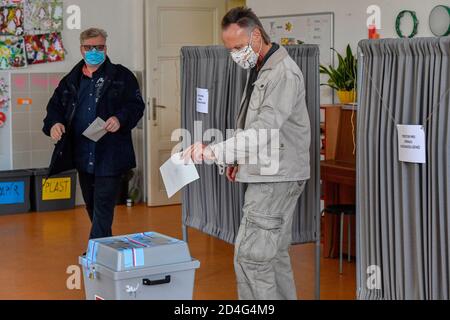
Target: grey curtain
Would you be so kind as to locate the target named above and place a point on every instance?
(403, 224)
(212, 204)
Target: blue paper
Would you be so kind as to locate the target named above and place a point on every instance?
(12, 192)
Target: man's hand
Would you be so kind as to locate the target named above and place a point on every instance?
(112, 125)
(198, 153)
(57, 131)
(231, 173)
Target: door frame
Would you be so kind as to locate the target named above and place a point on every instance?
(147, 94)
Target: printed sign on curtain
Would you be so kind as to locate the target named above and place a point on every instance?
(202, 100)
(411, 143)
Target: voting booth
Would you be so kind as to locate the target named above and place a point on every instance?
(143, 266)
(55, 193)
(14, 191)
(402, 164)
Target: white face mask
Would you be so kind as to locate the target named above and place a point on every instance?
(246, 57)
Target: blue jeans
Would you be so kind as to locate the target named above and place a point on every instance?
(100, 195)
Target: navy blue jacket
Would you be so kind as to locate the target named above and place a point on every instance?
(120, 97)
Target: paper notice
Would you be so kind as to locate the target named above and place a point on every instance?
(202, 100)
(411, 143)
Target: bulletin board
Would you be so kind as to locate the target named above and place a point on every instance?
(311, 28)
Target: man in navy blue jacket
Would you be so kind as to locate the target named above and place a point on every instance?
(95, 88)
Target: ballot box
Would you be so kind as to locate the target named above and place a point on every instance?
(54, 193)
(143, 266)
(14, 191)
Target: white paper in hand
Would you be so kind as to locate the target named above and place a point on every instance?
(96, 130)
(176, 174)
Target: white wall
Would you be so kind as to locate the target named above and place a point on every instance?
(122, 19)
(350, 15)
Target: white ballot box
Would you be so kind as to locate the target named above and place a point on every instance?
(143, 266)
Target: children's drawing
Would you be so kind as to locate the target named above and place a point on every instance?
(4, 3)
(43, 16)
(44, 48)
(11, 21)
(12, 52)
(4, 92)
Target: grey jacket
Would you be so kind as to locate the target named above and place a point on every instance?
(274, 140)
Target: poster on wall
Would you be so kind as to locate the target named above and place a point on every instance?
(311, 28)
(5, 123)
(12, 52)
(11, 20)
(4, 92)
(44, 48)
(315, 28)
(43, 16)
(5, 3)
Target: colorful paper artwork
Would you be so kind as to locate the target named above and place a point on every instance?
(44, 48)
(11, 21)
(4, 92)
(2, 119)
(12, 52)
(43, 16)
(30, 32)
(5, 3)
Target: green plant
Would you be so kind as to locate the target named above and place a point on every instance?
(344, 76)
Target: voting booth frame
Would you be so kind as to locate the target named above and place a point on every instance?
(22, 191)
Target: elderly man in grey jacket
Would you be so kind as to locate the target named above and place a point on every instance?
(269, 152)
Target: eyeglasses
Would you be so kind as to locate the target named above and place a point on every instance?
(100, 47)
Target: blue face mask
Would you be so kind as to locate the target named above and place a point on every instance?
(94, 57)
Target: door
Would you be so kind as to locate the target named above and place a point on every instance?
(170, 25)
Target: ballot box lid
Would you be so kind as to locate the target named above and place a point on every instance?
(140, 250)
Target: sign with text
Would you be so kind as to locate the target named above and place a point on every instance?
(56, 189)
(411, 143)
(202, 100)
(12, 192)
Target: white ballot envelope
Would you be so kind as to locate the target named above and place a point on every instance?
(96, 130)
(176, 174)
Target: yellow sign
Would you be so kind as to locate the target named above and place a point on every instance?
(56, 189)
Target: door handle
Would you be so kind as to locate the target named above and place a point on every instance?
(155, 106)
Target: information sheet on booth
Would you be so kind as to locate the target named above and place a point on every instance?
(202, 100)
(411, 143)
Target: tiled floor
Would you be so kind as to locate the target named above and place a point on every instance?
(38, 248)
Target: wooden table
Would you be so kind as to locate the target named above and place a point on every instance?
(339, 186)
(338, 172)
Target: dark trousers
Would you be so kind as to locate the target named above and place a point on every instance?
(100, 195)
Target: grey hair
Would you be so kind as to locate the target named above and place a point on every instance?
(245, 18)
(93, 33)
